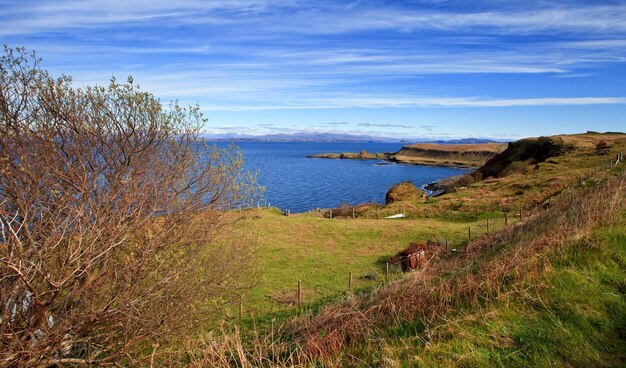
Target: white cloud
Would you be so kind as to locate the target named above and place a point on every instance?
(427, 102)
(382, 125)
(321, 17)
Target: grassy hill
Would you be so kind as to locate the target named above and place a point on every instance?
(546, 290)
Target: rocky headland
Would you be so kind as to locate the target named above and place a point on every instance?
(430, 154)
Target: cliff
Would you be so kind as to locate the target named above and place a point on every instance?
(430, 154)
(461, 155)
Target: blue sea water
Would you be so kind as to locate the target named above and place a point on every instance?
(296, 183)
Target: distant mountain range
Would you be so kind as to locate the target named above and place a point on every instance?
(338, 138)
(465, 141)
(303, 137)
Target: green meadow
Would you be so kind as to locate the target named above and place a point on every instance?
(321, 252)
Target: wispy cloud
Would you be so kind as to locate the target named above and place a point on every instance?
(574, 75)
(325, 17)
(386, 125)
(427, 102)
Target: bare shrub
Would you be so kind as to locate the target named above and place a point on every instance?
(602, 148)
(109, 207)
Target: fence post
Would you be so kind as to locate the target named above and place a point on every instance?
(240, 306)
(299, 293)
(353, 214)
(378, 213)
(331, 213)
(487, 225)
(446, 244)
(350, 281)
(387, 272)
(469, 233)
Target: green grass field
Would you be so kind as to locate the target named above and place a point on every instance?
(321, 252)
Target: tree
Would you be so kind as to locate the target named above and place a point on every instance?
(110, 208)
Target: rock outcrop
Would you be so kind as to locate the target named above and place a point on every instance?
(405, 192)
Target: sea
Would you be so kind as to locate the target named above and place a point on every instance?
(296, 183)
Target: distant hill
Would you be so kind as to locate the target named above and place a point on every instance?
(464, 141)
(305, 137)
(335, 137)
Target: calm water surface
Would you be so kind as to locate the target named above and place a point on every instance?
(299, 184)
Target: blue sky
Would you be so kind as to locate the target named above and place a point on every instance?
(405, 69)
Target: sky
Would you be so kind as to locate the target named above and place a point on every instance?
(402, 69)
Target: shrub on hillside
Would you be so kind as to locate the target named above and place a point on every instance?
(602, 148)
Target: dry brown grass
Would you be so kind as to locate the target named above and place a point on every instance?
(590, 141)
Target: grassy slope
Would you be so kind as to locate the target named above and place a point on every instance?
(576, 318)
(541, 181)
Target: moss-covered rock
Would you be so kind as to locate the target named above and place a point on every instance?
(405, 192)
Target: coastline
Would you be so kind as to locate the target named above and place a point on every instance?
(399, 160)
(466, 156)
